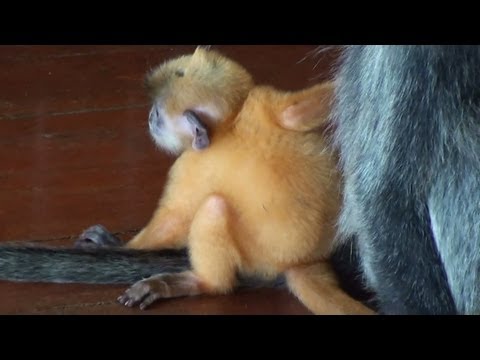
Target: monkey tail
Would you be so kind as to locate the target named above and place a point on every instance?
(31, 263)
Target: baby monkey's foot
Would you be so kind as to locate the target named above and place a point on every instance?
(145, 292)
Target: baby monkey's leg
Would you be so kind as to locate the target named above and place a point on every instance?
(317, 288)
(213, 255)
(168, 229)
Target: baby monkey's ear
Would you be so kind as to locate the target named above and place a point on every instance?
(201, 48)
(308, 109)
(199, 131)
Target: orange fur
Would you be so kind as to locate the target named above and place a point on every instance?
(263, 197)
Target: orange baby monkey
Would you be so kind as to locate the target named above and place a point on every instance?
(254, 190)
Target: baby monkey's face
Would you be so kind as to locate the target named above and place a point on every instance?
(191, 95)
(174, 134)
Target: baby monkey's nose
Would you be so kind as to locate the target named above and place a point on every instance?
(155, 118)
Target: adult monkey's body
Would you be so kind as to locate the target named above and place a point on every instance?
(408, 129)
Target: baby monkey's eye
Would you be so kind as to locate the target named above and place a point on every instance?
(179, 73)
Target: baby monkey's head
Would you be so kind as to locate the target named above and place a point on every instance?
(191, 96)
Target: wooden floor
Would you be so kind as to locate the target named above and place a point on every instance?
(74, 151)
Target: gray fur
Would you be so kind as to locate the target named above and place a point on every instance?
(115, 265)
(91, 266)
(408, 130)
